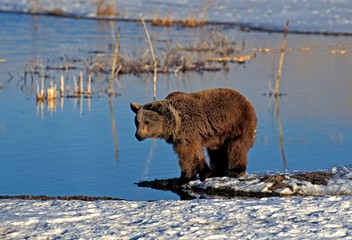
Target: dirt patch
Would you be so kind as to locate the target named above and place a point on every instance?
(277, 181)
(317, 178)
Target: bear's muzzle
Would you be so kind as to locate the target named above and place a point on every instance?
(139, 137)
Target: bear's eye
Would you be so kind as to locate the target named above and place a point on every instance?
(146, 122)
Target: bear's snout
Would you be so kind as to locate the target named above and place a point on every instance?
(139, 137)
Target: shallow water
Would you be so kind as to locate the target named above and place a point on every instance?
(87, 146)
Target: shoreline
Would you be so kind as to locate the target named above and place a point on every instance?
(338, 182)
(241, 26)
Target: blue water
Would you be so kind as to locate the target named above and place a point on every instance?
(87, 146)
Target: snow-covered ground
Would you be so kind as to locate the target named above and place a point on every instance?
(313, 217)
(266, 218)
(339, 184)
(304, 15)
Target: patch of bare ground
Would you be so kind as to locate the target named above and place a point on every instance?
(316, 178)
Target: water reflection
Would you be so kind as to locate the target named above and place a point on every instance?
(148, 160)
(50, 105)
(281, 135)
(113, 129)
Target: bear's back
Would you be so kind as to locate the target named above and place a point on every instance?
(212, 102)
(212, 110)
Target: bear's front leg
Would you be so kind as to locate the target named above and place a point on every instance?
(191, 161)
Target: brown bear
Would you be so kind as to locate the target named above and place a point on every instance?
(221, 120)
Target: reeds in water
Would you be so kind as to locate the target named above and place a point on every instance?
(106, 9)
(281, 61)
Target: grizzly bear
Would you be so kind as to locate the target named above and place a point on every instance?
(221, 120)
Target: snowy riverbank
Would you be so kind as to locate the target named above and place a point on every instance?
(295, 217)
(266, 218)
(304, 16)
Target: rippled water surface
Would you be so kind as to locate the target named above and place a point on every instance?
(86, 146)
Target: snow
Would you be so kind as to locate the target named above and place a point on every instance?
(266, 218)
(341, 183)
(311, 217)
(306, 16)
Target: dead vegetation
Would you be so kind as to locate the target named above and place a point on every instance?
(168, 21)
(191, 21)
(209, 55)
(106, 8)
(213, 54)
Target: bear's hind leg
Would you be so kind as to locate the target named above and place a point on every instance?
(218, 162)
(237, 157)
(204, 171)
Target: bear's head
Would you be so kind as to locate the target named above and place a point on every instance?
(149, 120)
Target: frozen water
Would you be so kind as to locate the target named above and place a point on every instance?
(307, 16)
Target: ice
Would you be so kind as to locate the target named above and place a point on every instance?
(307, 16)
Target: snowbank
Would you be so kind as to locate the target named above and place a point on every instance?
(304, 16)
(246, 218)
(337, 181)
(266, 218)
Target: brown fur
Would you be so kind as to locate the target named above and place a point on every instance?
(220, 120)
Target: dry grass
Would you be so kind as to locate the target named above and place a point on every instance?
(191, 21)
(192, 57)
(106, 9)
(338, 51)
(155, 62)
(114, 63)
(197, 57)
(163, 21)
(281, 60)
(168, 21)
(237, 59)
(100, 69)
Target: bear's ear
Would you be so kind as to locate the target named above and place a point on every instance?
(157, 106)
(135, 107)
